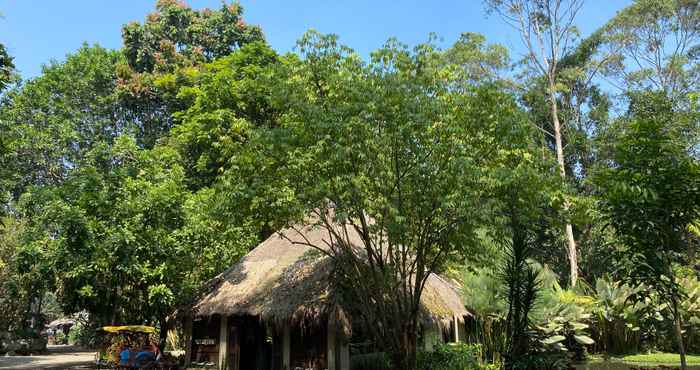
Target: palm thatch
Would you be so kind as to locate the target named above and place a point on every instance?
(284, 281)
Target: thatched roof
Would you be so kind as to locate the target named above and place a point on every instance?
(283, 281)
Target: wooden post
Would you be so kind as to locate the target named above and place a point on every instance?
(286, 348)
(456, 324)
(188, 340)
(223, 342)
(330, 347)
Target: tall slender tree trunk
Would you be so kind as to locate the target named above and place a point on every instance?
(569, 231)
(679, 332)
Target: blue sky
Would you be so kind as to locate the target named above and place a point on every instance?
(36, 31)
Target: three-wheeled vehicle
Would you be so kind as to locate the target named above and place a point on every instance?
(130, 347)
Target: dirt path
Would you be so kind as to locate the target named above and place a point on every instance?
(59, 357)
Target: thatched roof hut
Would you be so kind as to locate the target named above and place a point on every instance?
(285, 285)
(282, 280)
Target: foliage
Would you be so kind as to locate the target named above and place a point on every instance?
(522, 286)
(453, 356)
(82, 335)
(49, 123)
(563, 317)
(401, 150)
(225, 100)
(107, 215)
(60, 338)
(173, 38)
(653, 45)
(483, 296)
(6, 68)
(175, 35)
(549, 33)
(23, 270)
(650, 196)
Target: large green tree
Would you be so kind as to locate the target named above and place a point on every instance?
(109, 215)
(650, 194)
(394, 149)
(51, 121)
(7, 68)
(174, 36)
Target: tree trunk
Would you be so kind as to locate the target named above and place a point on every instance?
(405, 358)
(679, 332)
(569, 231)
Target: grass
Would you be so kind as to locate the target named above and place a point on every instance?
(661, 358)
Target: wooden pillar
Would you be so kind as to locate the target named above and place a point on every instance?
(456, 325)
(286, 348)
(188, 340)
(223, 342)
(344, 355)
(330, 347)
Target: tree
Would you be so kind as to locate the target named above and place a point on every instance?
(173, 37)
(656, 45)
(547, 29)
(6, 77)
(392, 149)
(223, 101)
(649, 195)
(51, 121)
(584, 106)
(7, 68)
(523, 190)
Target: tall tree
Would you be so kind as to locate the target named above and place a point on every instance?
(6, 77)
(7, 68)
(391, 149)
(174, 36)
(98, 196)
(585, 107)
(547, 29)
(656, 44)
(51, 121)
(650, 194)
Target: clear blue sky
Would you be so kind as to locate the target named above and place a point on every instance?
(37, 31)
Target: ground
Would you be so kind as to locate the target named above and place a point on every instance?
(59, 357)
(662, 358)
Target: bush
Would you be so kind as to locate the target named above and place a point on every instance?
(60, 338)
(453, 356)
(82, 335)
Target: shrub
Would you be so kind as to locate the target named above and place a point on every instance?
(82, 335)
(60, 337)
(453, 356)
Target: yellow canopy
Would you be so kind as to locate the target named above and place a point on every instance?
(129, 329)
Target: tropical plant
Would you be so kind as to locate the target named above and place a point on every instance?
(454, 356)
(649, 194)
(561, 317)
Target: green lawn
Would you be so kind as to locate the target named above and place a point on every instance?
(661, 358)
